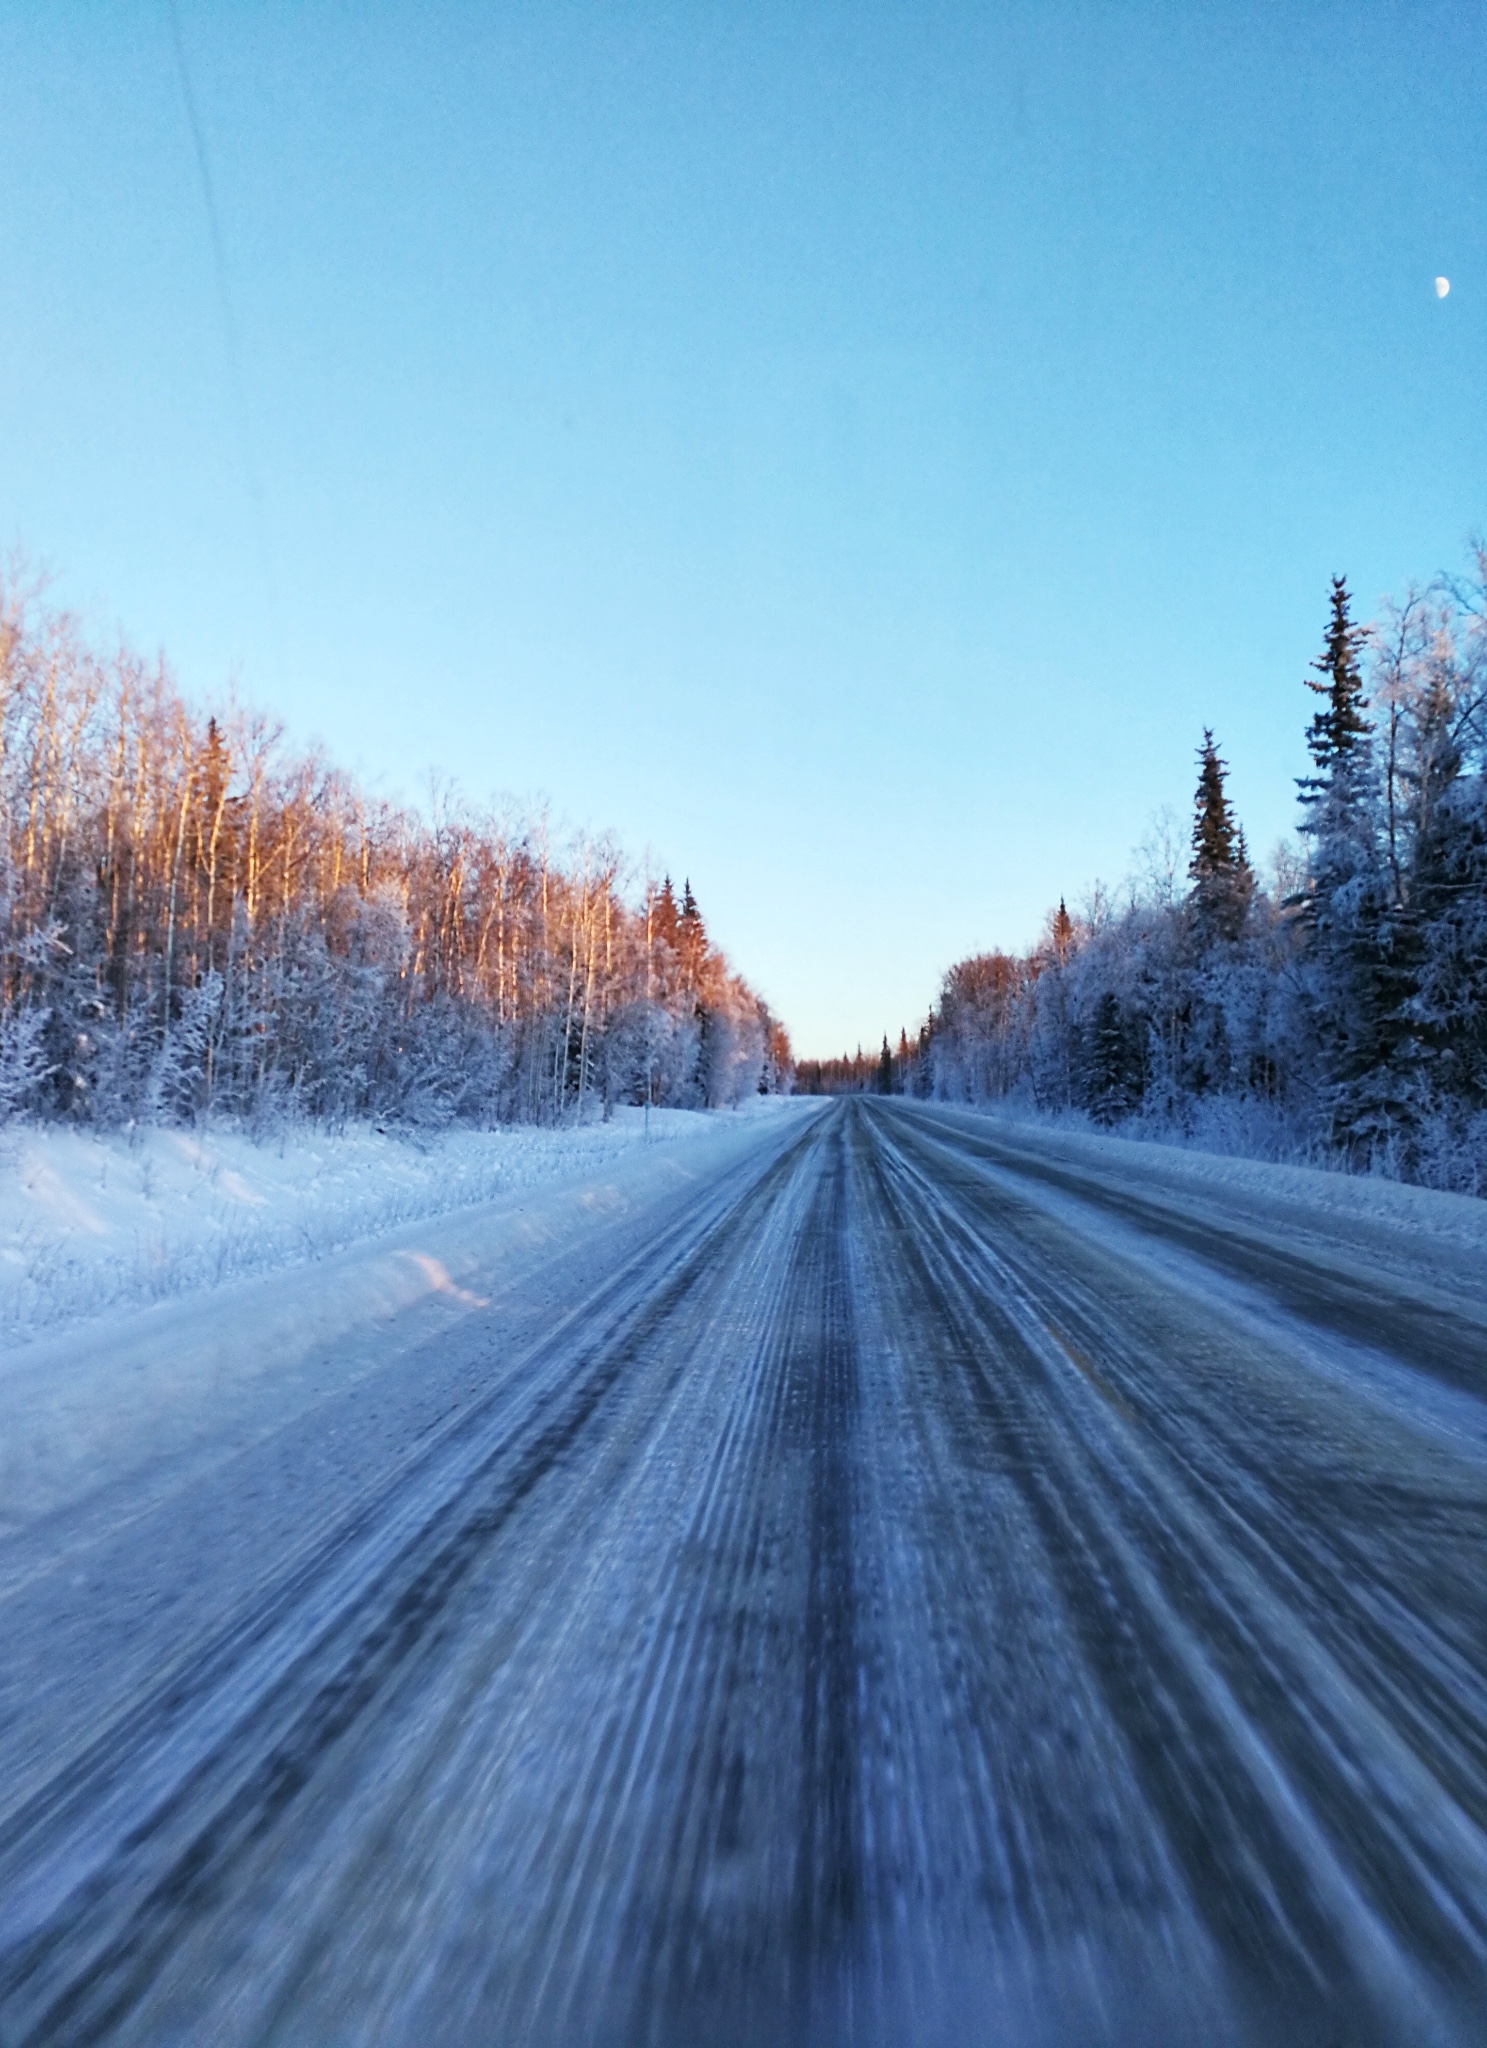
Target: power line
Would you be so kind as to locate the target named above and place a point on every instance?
(230, 332)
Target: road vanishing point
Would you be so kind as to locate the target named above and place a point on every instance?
(897, 1578)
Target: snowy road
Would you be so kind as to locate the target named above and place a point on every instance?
(916, 1583)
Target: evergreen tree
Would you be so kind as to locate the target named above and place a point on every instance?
(1444, 900)
(1336, 735)
(664, 916)
(1113, 1077)
(1361, 959)
(1449, 1006)
(691, 938)
(885, 1069)
(1219, 868)
(923, 1075)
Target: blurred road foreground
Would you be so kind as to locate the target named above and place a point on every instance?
(879, 1574)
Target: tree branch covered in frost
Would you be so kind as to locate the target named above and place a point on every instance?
(1335, 1009)
(193, 919)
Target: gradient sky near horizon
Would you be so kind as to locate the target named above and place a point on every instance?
(849, 450)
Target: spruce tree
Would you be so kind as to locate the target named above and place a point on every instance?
(691, 938)
(1219, 869)
(1336, 734)
(923, 1075)
(885, 1069)
(1114, 1073)
(664, 918)
(1446, 911)
(1361, 971)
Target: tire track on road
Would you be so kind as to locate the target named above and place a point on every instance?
(1430, 1333)
(1306, 1826)
(94, 1905)
(880, 1614)
(1365, 1534)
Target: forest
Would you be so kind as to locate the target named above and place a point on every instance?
(1332, 1008)
(196, 919)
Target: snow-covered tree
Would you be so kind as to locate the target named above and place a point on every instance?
(1339, 1006)
(192, 920)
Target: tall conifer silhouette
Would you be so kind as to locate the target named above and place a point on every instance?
(1338, 729)
(1219, 869)
(885, 1069)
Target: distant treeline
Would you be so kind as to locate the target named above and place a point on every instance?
(860, 1073)
(194, 919)
(1333, 1008)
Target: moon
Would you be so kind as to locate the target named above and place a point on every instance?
(1442, 286)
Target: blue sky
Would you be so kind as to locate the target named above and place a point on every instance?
(849, 450)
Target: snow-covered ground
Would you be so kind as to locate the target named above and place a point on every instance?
(94, 1222)
(1423, 1236)
(161, 1384)
(1322, 1190)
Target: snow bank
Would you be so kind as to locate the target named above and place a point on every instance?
(1321, 1191)
(171, 1387)
(91, 1222)
(1423, 1236)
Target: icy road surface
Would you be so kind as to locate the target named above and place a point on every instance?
(893, 1578)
